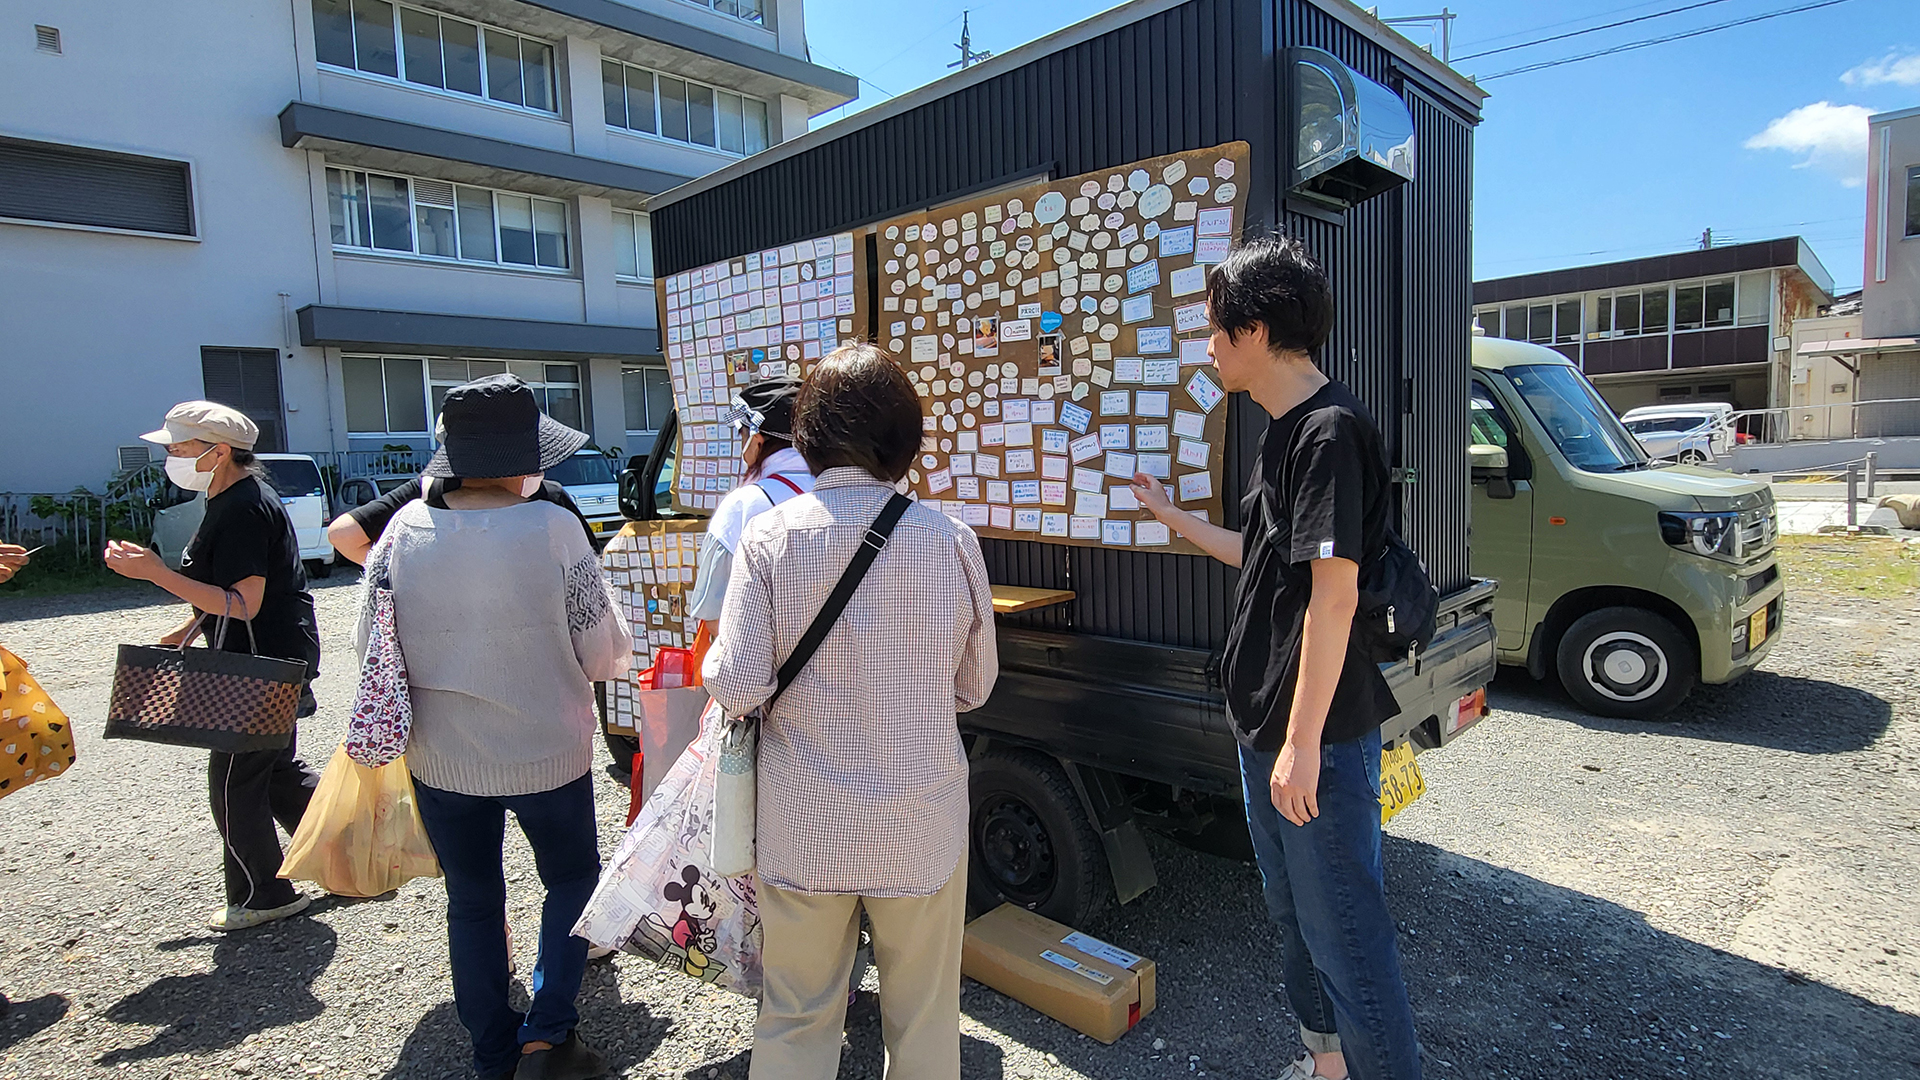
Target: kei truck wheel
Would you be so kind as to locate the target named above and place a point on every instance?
(1030, 842)
(1626, 662)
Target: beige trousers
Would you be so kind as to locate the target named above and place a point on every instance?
(810, 939)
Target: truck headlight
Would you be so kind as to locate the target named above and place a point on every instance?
(1717, 536)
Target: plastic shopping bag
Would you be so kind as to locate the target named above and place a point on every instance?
(659, 897)
(361, 835)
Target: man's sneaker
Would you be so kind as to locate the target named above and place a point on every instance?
(235, 917)
(571, 1060)
(1301, 1070)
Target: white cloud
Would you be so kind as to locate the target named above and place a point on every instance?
(1832, 138)
(1891, 68)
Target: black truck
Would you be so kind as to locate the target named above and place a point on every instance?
(1109, 717)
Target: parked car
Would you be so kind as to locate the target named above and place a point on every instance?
(589, 479)
(362, 490)
(295, 478)
(1694, 434)
(1629, 581)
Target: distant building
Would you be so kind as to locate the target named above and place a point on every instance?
(1707, 325)
(1888, 356)
(327, 213)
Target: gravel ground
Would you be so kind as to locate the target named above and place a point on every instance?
(1724, 895)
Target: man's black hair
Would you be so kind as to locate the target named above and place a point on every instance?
(1272, 281)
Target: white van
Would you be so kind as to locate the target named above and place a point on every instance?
(296, 479)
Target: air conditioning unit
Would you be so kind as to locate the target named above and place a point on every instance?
(1353, 138)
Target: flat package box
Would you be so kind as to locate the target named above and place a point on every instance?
(1083, 982)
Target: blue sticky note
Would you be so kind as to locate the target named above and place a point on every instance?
(1176, 242)
(1154, 339)
(1075, 417)
(1049, 321)
(1143, 276)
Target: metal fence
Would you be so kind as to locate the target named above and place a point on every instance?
(82, 518)
(342, 465)
(1840, 420)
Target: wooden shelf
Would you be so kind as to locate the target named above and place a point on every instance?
(1012, 599)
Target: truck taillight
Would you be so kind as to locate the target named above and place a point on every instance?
(1467, 710)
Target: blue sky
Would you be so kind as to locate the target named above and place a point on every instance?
(1756, 131)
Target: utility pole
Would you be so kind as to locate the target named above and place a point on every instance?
(1706, 239)
(968, 57)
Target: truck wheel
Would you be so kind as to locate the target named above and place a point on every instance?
(1030, 841)
(316, 568)
(1626, 662)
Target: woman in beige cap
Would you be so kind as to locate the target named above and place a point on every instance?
(243, 561)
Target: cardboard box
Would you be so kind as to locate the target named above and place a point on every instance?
(1081, 981)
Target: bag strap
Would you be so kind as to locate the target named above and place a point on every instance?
(783, 479)
(219, 638)
(863, 557)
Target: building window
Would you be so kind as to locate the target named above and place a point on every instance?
(649, 398)
(1653, 310)
(1488, 320)
(1719, 303)
(632, 245)
(1689, 309)
(412, 216)
(744, 10)
(654, 104)
(70, 185)
(402, 395)
(1913, 201)
(429, 49)
(1566, 321)
(1756, 290)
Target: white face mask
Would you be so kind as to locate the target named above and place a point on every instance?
(184, 472)
(530, 486)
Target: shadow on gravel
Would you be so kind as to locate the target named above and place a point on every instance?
(1778, 712)
(1509, 976)
(627, 1032)
(25, 1019)
(261, 979)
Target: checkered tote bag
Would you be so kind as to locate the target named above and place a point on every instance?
(382, 709)
(209, 698)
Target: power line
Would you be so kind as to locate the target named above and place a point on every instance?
(1646, 42)
(1523, 32)
(1593, 29)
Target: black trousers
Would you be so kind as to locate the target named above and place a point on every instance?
(250, 792)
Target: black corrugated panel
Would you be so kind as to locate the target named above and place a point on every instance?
(77, 186)
(1187, 77)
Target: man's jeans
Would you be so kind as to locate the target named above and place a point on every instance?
(1325, 892)
(467, 832)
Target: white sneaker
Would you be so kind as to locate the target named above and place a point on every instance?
(234, 917)
(1301, 1070)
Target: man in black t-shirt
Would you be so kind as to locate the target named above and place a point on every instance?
(1306, 702)
(354, 533)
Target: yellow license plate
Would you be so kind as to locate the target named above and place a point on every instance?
(599, 526)
(1757, 629)
(1400, 781)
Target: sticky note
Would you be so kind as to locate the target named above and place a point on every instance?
(1115, 436)
(1189, 425)
(940, 481)
(1019, 461)
(1159, 466)
(1103, 376)
(1084, 447)
(973, 514)
(1053, 468)
(1197, 485)
(1128, 369)
(1152, 534)
(1187, 280)
(1162, 373)
(961, 464)
(966, 487)
(1123, 498)
(1154, 339)
(1042, 412)
(993, 434)
(1090, 504)
(1076, 417)
(1083, 528)
(999, 491)
(1136, 308)
(1193, 352)
(1151, 403)
(1016, 410)
(1147, 437)
(1053, 524)
(1088, 480)
(1193, 453)
(986, 464)
(1117, 533)
(926, 348)
(1000, 517)
(1116, 402)
(1022, 434)
(1204, 392)
(1124, 465)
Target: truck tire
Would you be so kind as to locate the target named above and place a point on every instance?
(317, 568)
(1626, 662)
(1030, 842)
(1692, 457)
(621, 749)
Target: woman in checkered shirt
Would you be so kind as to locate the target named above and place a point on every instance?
(863, 781)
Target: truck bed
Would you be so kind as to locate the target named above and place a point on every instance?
(1158, 713)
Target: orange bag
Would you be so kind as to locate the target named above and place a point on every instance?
(36, 740)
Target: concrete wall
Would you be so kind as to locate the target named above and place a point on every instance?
(1892, 301)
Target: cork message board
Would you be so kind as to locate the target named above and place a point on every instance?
(767, 314)
(651, 565)
(1057, 335)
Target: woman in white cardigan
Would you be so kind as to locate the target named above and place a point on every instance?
(505, 622)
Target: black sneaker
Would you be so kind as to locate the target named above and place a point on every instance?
(507, 1073)
(571, 1060)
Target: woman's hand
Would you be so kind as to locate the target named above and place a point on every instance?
(1295, 782)
(129, 559)
(12, 558)
(1152, 495)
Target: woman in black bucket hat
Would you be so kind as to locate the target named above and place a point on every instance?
(505, 622)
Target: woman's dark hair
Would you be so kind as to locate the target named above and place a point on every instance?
(858, 409)
(1272, 282)
(245, 459)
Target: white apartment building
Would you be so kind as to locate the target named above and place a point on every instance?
(328, 212)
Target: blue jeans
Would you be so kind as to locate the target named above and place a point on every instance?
(1326, 893)
(467, 832)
